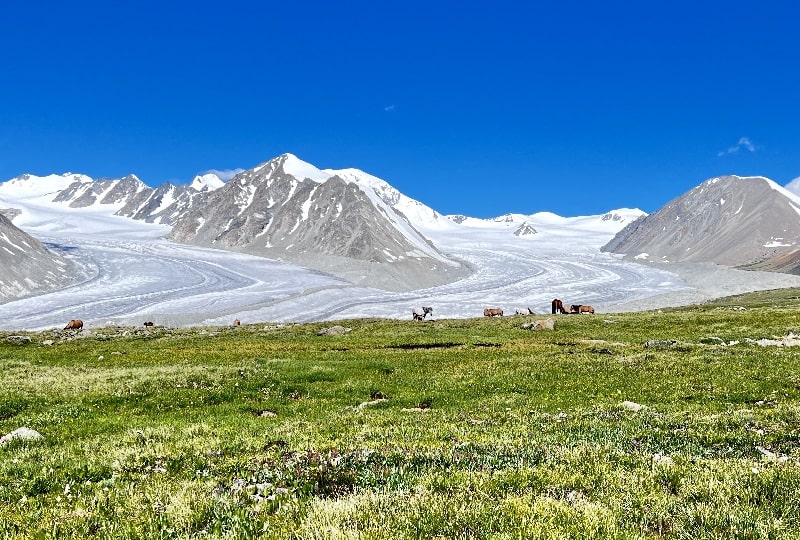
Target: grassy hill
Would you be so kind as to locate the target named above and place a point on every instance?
(474, 428)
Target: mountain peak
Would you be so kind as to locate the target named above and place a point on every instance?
(729, 220)
(206, 182)
(30, 185)
(300, 169)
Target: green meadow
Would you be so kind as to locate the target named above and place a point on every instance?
(669, 424)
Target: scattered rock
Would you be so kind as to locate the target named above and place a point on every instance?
(791, 340)
(23, 433)
(266, 413)
(18, 340)
(540, 324)
(371, 403)
(47, 343)
(274, 327)
(631, 406)
(661, 459)
(544, 324)
(659, 343)
(333, 331)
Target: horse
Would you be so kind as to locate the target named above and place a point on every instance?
(493, 312)
(523, 311)
(74, 324)
(557, 306)
(148, 323)
(419, 313)
(586, 309)
(236, 322)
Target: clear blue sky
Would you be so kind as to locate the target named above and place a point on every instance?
(479, 108)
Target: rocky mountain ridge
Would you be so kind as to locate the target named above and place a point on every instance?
(285, 209)
(358, 227)
(28, 267)
(729, 220)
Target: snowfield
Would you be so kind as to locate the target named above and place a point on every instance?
(129, 274)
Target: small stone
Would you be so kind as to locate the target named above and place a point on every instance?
(333, 331)
(22, 433)
(631, 406)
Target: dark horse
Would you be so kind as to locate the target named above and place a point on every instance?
(557, 306)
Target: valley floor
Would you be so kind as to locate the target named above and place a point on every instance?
(129, 274)
(707, 281)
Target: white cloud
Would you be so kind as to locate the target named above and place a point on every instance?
(225, 174)
(389, 108)
(794, 186)
(744, 142)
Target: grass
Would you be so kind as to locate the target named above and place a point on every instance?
(401, 429)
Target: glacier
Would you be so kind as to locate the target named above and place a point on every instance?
(129, 273)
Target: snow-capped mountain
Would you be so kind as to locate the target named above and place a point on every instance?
(29, 186)
(27, 266)
(344, 222)
(347, 223)
(730, 220)
(206, 182)
(128, 196)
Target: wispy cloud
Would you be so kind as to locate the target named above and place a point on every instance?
(744, 142)
(225, 174)
(794, 186)
(389, 108)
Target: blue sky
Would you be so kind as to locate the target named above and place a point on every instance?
(573, 107)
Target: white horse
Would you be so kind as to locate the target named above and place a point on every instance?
(419, 313)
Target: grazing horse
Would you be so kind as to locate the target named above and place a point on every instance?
(493, 312)
(236, 322)
(586, 309)
(419, 313)
(523, 311)
(557, 306)
(148, 323)
(74, 324)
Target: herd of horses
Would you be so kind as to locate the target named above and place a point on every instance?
(421, 313)
(557, 306)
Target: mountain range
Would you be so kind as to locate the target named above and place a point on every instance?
(359, 228)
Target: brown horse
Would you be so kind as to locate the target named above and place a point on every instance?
(493, 312)
(74, 324)
(557, 306)
(236, 322)
(586, 309)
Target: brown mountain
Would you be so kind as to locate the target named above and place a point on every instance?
(729, 220)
